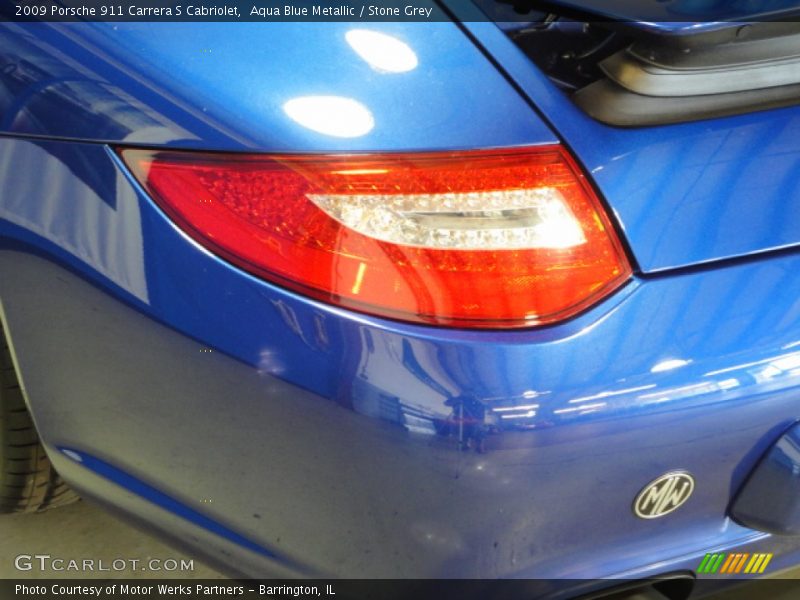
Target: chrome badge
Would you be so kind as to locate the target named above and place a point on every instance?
(664, 495)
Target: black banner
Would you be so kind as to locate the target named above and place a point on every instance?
(390, 589)
(511, 11)
(223, 10)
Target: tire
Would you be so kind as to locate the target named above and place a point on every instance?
(28, 482)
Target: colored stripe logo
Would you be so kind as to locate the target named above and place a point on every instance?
(732, 563)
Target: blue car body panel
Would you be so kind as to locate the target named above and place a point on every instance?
(769, 500)
(279, 435)
(222, 86)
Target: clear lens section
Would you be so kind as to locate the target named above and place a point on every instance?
(491, 220)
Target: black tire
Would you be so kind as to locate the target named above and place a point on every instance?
(28, 482)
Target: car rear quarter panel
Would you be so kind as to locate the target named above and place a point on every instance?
(301, 437)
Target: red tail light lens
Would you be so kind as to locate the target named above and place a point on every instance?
(509, 238)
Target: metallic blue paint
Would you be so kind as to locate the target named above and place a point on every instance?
(769, 500)
(214, 403)
(222, 86)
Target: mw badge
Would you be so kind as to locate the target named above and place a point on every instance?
(663, 495)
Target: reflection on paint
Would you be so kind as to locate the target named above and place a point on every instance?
(331, 115)
(384, 53)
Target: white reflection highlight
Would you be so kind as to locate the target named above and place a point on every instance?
(72, 454)
(675, 393)
(336, 116)
(513, 408)
(786, 365)
(612, 393)
(527, 415)
(384, 53)
(270, 363)
(669, 365)
(583, 407)
(728, 384)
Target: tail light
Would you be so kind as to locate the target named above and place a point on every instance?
(495, 239)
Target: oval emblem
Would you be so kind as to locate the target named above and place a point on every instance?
(663, 495)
